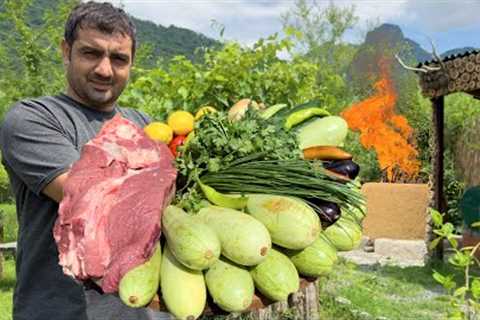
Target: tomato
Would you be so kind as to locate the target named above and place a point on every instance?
(175, 143)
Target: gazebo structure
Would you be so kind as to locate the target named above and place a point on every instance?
(438, 78)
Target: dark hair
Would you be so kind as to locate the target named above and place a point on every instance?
(100, 16)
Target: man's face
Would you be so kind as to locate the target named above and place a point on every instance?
(97, 66)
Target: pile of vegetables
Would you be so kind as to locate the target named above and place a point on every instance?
(264, 196)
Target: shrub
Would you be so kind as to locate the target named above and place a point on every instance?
(5, 193)
(8, 218)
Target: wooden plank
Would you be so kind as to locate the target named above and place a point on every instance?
(9, 246)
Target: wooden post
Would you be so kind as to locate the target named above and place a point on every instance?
(437, 160)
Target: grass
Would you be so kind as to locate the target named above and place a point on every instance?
(354, 293)
(8, 219)
(7, 283)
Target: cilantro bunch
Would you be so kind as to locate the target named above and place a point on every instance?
(218, 143)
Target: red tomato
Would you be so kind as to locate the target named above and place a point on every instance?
(175, 143)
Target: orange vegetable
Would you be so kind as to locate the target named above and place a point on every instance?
(325, 153)
(337, 176)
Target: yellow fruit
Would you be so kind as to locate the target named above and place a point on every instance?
(159, 131)
(204, 110)
(181, 122)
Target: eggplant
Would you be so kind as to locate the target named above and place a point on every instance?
(345, 167)
(329, 212)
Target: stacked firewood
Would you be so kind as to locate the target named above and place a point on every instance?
(461, 73)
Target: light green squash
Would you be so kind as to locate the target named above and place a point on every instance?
(276, 277)
(183, 290)
(139, 285)
(292, 223)
(315, 260)
(192, 242)
(243, 239)
(230, 285)
(344, 234)
(326, 131)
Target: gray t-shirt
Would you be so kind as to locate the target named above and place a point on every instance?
(40, 139)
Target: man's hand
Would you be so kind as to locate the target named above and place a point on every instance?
(54, 189)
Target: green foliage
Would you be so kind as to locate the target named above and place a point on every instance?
(226, 76)
(29, 58)
(8, 218)
(5, 194)
(464, 295)
(169, 42)
(318, 33)
(219, 142)
(460, 112)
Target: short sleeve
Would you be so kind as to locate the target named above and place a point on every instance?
(140, 118)
(144, 117)
(35, 146)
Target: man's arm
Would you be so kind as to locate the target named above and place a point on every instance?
(54, 189)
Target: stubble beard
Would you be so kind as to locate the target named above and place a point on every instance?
(99, 100)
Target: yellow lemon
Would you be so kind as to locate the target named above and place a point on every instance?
(204, 110)
(181, 122)
(159, 131)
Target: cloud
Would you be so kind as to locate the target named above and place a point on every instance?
(245, 21)
(248, 20)
(441, 15)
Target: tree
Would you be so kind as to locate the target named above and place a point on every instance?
(29, 50)
(318, 33)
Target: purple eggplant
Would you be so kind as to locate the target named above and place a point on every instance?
(345, 167)
(329, 212)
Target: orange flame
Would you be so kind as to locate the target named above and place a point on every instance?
(380, 128)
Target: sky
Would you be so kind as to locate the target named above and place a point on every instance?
(450, 24)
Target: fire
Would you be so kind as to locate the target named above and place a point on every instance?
(380, 128)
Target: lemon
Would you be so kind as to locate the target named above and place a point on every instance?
(204, 110)
(181, 122)
(159, 131)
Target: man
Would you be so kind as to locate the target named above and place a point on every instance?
(41, 138)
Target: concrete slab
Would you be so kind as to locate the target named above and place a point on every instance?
(401, 250)
(401, 253)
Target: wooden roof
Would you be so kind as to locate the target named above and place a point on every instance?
(454, 73)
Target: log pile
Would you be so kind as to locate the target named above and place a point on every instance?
(459, 73)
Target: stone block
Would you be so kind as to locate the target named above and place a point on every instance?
(396, 210)
(401, 250)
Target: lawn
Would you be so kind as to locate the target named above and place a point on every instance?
(359, 293)
(8, 219)
(7, 283)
